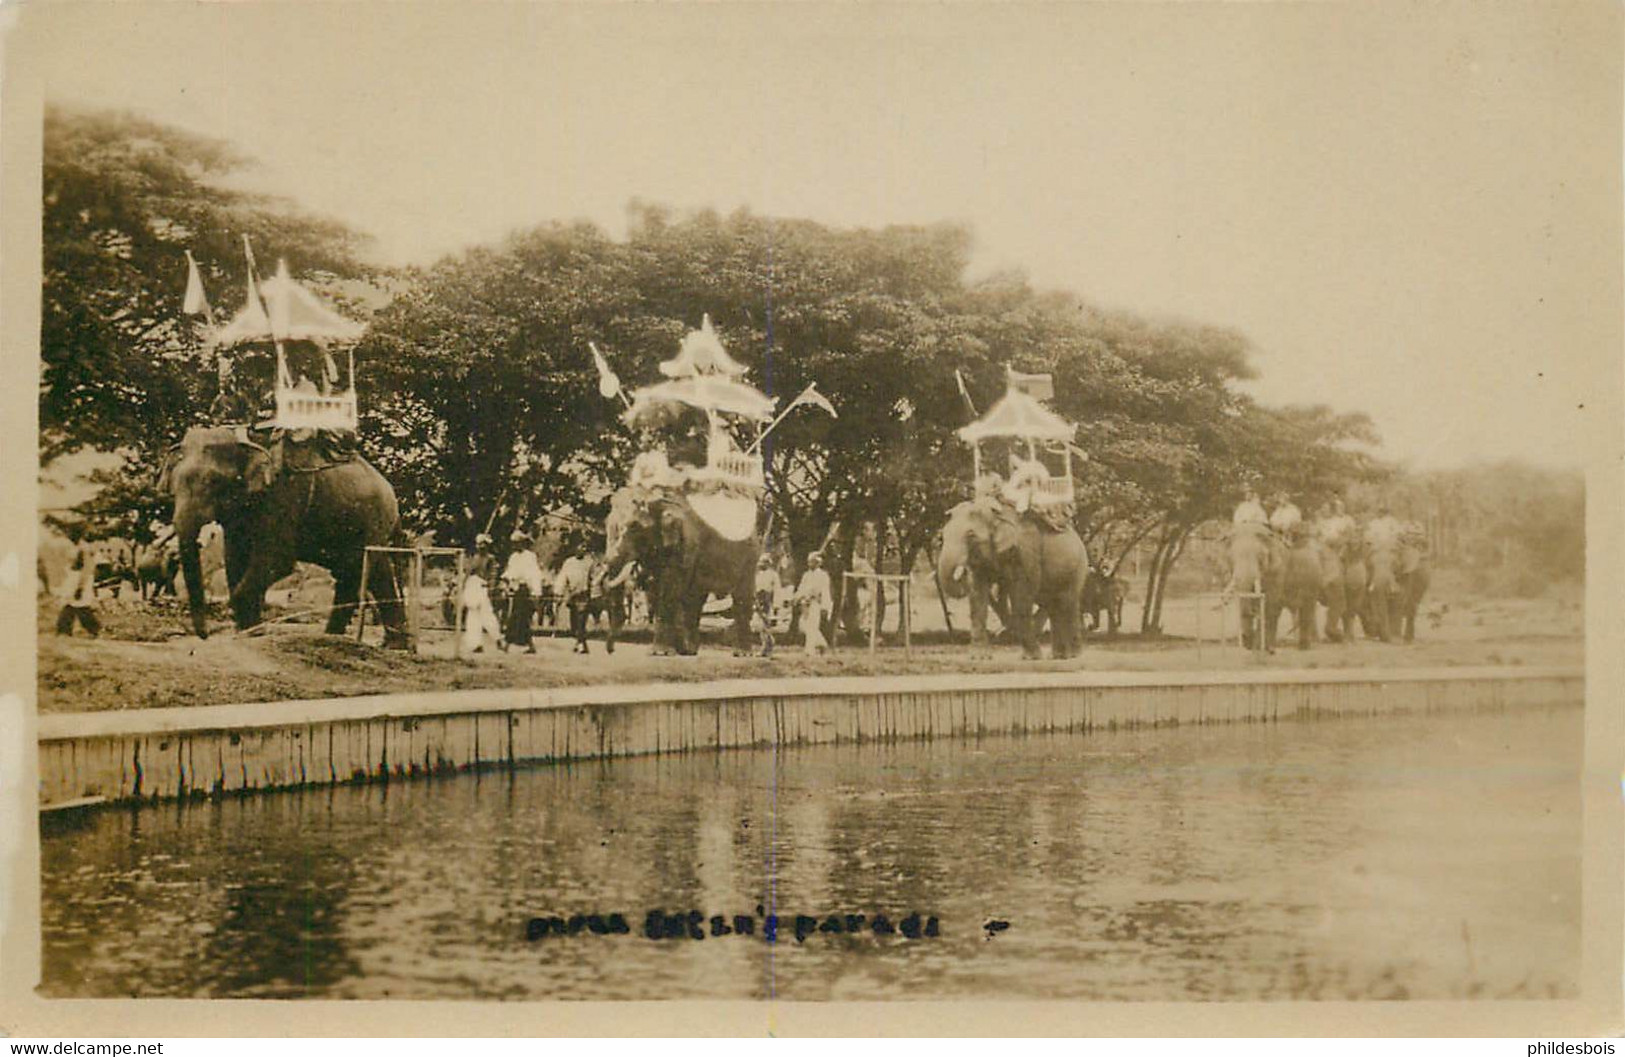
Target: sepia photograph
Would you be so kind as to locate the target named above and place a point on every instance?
(974, 508)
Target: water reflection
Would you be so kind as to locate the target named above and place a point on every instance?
(1422, 858)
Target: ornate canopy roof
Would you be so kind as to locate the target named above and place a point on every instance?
(282, 310)
(1017, 415)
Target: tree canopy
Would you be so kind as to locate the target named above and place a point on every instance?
(480, 397)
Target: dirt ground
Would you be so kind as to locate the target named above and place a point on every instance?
(145, 657)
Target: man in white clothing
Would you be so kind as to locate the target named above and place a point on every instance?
(1286, 517)
(1384, 529)
(523, 578)
(815, 599)
(575, 590)
(1250, 511)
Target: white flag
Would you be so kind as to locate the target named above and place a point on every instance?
(609, 385)
(811, 395)
(197, 302)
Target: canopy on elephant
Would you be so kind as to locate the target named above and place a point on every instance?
(285, 311)
(1017, 415)
(712, 392)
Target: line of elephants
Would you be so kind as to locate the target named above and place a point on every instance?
(274, 514)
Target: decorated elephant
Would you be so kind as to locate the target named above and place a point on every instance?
(988, 547)
(685, 560)
(321, 511)
(1287, 575)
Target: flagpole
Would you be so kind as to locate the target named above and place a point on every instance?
(791, 406)
(603, 368)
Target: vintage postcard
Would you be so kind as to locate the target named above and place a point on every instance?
(999, 518)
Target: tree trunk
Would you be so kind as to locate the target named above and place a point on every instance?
(1146, 623)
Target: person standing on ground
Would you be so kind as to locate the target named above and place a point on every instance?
(523, 578)
(814, 598)
(767, 592)
(479, 617)
(80, 589)
(575, 580)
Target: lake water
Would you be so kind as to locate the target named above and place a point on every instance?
(1422, 857)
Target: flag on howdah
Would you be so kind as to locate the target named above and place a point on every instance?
(196, 302)
(609, 385)
(1037, 386)
(811, 395)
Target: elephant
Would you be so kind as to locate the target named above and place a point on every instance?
(1287, 575)
(686, 561)
(157, 569)
(326, 515)
(1103, 593)
(988, 547)
(1344, 590)
(1399, 576)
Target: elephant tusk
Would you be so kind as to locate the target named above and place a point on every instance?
(959, 573)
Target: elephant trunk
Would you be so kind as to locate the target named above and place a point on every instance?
(187, 528)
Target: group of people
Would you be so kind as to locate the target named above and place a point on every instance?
(522, 589)
(1333, 527)
(814, 598)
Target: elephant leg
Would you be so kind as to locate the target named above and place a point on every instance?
(688, 631)
(978, 618)
(1026, 627)
(1334, 614)
(741, 618)
(663, 614)
(385, 580)
(1306, 623)
(346, 592)
(1064, 626)
(616, 612)
(237, 543)
(248, 593)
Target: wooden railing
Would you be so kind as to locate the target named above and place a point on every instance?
(296, 410)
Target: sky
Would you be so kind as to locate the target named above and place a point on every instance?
(1412, 210)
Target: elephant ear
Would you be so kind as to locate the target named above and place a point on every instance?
(259, 468)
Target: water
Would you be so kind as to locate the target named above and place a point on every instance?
(1397, 858)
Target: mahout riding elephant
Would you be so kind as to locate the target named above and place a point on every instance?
(685, 560)
(988, 547)
(1103, 594)
(326, 515)
(1400, 575)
